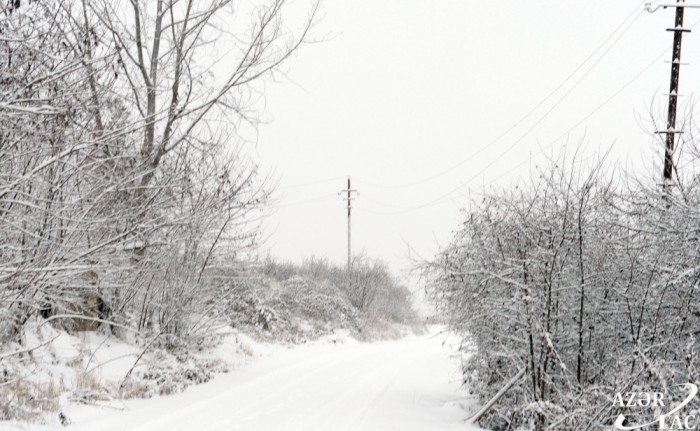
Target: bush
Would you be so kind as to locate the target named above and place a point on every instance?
(300, 302)
(587, 287)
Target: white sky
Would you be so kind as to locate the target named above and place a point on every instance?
(401, 91)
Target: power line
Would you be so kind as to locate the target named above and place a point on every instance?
(304, 202)
(311, 183)
(517, 123)
(447, 197)
(538, 105)
(281, 204)
(594, 111)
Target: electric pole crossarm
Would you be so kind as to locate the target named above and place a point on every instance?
(668, 5)
(649, 8)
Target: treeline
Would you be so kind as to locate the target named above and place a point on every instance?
(586, 282)
(369, 301)
(122, 180)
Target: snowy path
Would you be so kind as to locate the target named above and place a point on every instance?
(408, 384)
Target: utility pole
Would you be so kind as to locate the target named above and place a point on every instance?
(349, 197)
(673, 95)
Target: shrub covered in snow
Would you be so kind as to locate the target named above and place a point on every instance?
(299, 302)
(589, 288)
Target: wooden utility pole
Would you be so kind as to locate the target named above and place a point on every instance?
(349, 198)
(673, 95)
(678, 31)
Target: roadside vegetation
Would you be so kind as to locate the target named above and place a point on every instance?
(583, 279)
(129, 204)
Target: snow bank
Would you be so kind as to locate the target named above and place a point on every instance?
(54, 370)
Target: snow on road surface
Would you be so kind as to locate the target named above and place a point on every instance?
(404, 385)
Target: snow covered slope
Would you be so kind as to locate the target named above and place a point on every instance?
(408, 384)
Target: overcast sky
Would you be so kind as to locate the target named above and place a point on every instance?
(422, 103)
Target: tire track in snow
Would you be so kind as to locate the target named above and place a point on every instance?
(401, 385)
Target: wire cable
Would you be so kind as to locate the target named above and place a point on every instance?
(447, 197)
(537, 106)
(311, 183)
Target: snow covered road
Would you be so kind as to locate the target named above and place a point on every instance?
(404, 385)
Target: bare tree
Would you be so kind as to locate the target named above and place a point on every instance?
(123, 177)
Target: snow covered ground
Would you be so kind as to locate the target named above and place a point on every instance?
(408, 384)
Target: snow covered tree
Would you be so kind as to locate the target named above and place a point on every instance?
(123, 177)
(583, 283)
